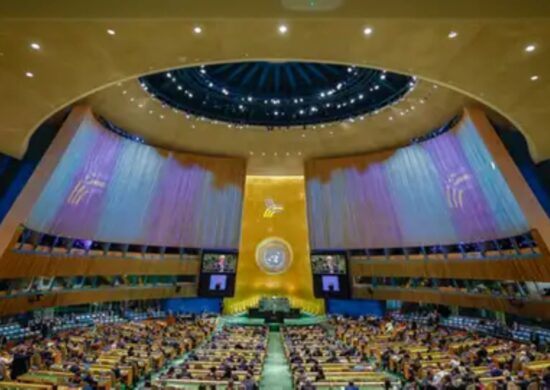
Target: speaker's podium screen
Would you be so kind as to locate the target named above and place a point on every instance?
(217, 278)
(330, 275)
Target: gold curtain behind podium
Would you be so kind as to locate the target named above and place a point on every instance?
(274, 207)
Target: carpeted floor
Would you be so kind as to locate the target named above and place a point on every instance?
(276, 374)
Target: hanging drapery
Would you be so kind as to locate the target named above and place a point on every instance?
(109, 188)
(442, 191)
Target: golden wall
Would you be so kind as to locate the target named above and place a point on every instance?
(274, 213)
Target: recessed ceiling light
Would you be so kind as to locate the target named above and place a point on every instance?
(30, 75)
(391, 118)
(251, 153)
(368, 30)
(124, 92)
(140, 105)
(299, 153)
(263, 153)
(530, 48)
(283, 29)
(131, 99)
(111, 31)
(534, 77)
(35, 46)
(197, 29)
(452, 34)
(303, 136)
(161, 116)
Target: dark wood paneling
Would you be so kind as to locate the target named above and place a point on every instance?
(21, 304)
(528, 308)
(21, 265)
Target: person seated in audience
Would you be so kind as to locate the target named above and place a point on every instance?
(443, 358)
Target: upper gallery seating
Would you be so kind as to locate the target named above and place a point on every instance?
(495, 288)
(432, 356)
(115, 355)
(13, 330)
(234, 356)
(317, 359)
(522, 333)
(518, 247)
(31, 241)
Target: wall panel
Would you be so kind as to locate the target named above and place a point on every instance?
(21, 304)
(109, 188)
(528, 308)
(444, 190)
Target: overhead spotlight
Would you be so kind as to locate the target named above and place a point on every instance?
(530, 48)
(161, 116)
(391, 118)
(30, 75)
(124, 92)
(35, 46)
(111, 31)
(140, 105)
(452, 34)
(382, 77)
(283, 29)
(534, 77)
(368, 31)
(197, 29)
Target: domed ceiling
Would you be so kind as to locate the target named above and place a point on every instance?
(277, 94)
(272, 149)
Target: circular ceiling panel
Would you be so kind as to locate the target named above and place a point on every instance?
(277, 94)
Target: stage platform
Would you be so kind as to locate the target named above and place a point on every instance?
(304, 320)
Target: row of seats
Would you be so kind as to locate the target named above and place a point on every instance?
(517, 332)
(31, 241)
(107, 356)
(16, 331)
(318, 361)
(520, 247)
(233, 358)
(431, 356)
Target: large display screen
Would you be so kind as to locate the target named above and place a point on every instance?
(331, 264)
(217, 282)
(219, 263)
(330, 274)
(218, 271)
(331, 283)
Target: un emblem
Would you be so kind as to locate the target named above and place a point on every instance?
(273, 255)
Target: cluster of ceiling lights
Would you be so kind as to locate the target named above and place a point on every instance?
(275, 102)
(283, 29)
